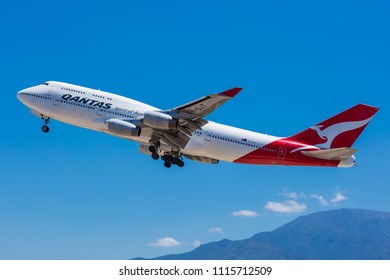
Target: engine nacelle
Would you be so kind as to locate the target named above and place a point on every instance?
(122, 128)
(160, 121)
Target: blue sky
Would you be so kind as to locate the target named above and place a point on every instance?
(79, 194)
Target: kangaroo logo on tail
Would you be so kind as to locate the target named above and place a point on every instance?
(339, 131)
(331, 132)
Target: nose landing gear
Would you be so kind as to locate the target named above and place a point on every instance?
(45, 128)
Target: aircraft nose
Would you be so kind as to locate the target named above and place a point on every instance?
(19, 95)
(22, 95)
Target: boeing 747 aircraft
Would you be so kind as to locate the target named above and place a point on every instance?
(184, 131)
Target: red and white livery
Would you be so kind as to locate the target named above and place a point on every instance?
(184, 132)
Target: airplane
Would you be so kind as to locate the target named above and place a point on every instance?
(183, 132)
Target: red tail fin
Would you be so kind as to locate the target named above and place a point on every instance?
(339, 131)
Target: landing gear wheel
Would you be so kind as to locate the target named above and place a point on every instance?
(155, 156)
(167, 164)
(45, 128)
(166, 158)
(152, 149)
(180, 163)
(175, 160)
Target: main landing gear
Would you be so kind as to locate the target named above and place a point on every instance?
(168, 158)
(45, 128)
(153, 150)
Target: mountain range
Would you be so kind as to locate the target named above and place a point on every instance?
(341, 234)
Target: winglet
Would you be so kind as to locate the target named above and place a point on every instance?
(231, 92)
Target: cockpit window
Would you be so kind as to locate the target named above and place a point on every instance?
(46, 84)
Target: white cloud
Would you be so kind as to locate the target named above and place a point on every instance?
(244, 213)
(215, 230)
(288, 206)
(322, 200)
(196, 243)
(291, 195)
(338, 197)
(165, 242)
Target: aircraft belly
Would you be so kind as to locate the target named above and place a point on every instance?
(216, 149)
(226, 151)
(194, 147)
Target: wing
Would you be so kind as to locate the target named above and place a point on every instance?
(205, 105)
(191, 115)
(185, 119)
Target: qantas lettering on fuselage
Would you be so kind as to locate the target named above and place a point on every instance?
(69, 97)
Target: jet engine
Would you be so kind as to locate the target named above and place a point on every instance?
(160, 121)
(122, 128)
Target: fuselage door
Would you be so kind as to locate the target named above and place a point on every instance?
(100, 112)
(282, 153)
(56, 100)
(207, 136)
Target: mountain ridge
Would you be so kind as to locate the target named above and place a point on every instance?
(327, 235)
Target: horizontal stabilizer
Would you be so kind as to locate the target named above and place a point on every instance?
(331, 154)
